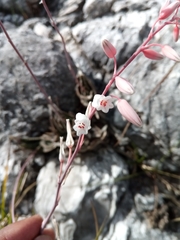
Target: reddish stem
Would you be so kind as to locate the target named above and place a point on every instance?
(56, 201)
(28, 68)
(79, 143)
(138, 51)
(69, 62)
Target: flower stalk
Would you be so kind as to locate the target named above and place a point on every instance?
(101, 102)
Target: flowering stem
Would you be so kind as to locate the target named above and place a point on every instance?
(92, 113)
(138, 51)
(60, 172)
(115, 66)
(69, 62)
(62, 175)
(153, 26)
(62, 178)
(70, 154)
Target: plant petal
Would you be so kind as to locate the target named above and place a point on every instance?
(108, 48)
(169, 52)
(103, 103)
(123, 85)
(128, 112)
(176, 33)
(69, 138)
(82, 124)
(168, 10)
(151, 54)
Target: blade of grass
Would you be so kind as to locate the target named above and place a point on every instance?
(3, 199)
(28, 160)
(23, 194)
(4, 185)
(95, 218)
(151, 169)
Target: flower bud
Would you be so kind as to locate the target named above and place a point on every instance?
(128, 112)
(88, 109)
(151, 54)
(108, 48)
(165, 5)
(61, 150)
(123, 85)
(166, 11)
(69, 138)
(169, 52)
(176, 33)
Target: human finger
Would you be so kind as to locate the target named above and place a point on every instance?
(25, 229)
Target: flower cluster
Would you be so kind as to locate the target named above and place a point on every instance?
(104, 103)
(168, 14)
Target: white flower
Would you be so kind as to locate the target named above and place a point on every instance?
(103, 103)
(82, 124)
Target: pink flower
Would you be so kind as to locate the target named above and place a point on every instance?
(82, 124)
(123, 85)
(103, 103)
(108, 48)
(168, 9)
(151, 54)
(167, 51)
(176, 33)
(165, 5)
(128, 112)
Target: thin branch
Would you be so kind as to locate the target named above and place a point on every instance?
(159, 84)
(28, 68)
(69, 62)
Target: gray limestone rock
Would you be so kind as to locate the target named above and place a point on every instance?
(23, 105)
(24, 109)
(127, 208)
(93, 9)
(156, 99)
(71, 12)
(26, 8)
(92, 183)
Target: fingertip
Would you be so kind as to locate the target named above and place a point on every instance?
(50, 233)
(29, 227)
(43, 237)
